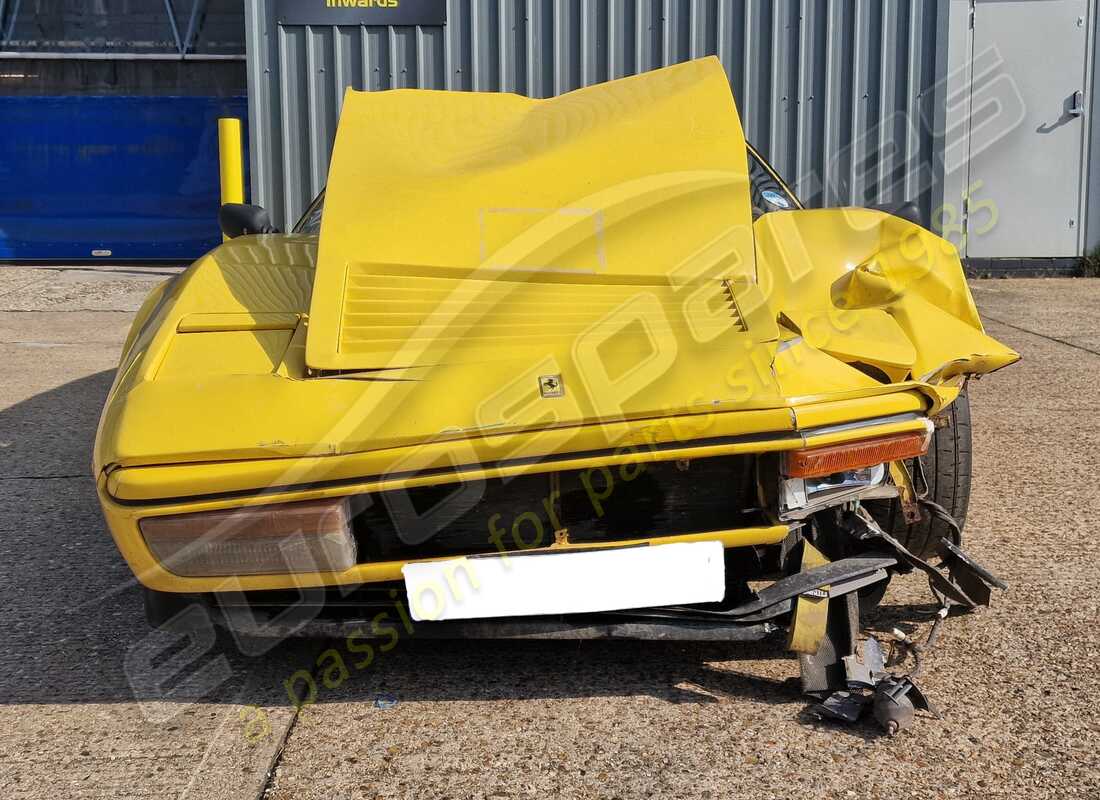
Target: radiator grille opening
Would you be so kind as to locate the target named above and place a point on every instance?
(598, 505)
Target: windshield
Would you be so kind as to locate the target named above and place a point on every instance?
(769, 192)
(311, 220)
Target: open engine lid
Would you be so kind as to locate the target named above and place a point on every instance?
(498, 225)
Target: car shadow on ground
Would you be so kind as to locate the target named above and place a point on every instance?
(75, 632)
(703, 673)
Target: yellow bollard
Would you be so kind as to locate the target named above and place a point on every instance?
(231, 161)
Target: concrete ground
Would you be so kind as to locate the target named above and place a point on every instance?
(85, 713)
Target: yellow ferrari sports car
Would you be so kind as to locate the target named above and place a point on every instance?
(572, 367)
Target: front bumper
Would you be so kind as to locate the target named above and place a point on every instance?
(123, 516)
(378, 611)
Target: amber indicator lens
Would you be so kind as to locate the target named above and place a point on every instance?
(818, 461)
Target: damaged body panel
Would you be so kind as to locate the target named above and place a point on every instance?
(513, 327)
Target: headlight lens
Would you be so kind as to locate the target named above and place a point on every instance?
(803, 496)
(313, 536)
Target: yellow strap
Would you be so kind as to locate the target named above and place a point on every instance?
(810, 613)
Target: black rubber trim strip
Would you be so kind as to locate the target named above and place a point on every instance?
(791, 586)
(571, 627)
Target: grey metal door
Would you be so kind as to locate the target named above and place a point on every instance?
(1026, 170)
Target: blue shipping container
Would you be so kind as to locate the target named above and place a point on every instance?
(133, 176)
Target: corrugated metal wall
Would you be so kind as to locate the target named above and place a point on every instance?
(843, 96)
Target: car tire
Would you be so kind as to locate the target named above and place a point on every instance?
(947, 468)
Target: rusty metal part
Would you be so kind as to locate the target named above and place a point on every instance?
(865, 672)
(907, 496)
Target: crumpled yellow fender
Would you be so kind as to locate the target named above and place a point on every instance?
(875, 292)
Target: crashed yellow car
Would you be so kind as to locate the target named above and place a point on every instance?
(575, 367)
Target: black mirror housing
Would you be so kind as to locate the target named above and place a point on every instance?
(907, 210)
(241, 219)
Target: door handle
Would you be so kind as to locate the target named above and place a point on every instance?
(1076, 104)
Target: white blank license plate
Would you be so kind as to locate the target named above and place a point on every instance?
(524, 584)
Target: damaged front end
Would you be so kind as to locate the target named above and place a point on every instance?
(851, 677)
(810, 587)
(565, 374)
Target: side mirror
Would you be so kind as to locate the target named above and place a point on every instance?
(239, 219)
(907, 210)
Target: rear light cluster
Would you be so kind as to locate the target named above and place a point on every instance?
(312, 536)
(819, 461)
